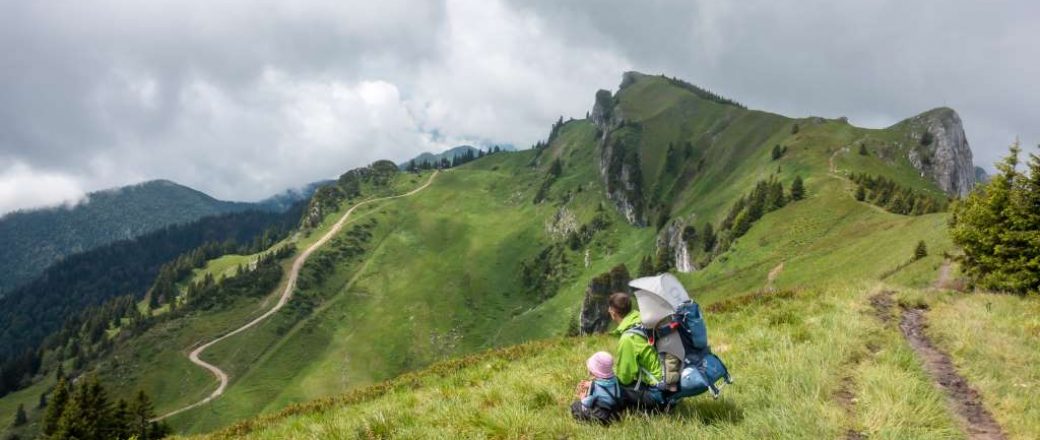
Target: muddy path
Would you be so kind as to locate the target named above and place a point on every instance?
(967, 405)
(964, 401)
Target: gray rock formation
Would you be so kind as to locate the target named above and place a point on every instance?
(940, 150)
(594, 315)
(672, 237)
(603, 111)
(619, 163)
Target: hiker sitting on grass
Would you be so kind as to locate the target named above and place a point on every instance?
(638, 366)
(600, 397)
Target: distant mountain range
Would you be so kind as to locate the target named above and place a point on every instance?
(33, 240)
(450, 154)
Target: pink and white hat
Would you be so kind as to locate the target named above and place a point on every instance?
(601, 365)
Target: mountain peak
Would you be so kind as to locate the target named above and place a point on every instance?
(940, 150)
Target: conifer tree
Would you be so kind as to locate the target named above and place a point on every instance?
(861, 193)
(920, 251)
(863, 149)
(646, 267)
(708, 237)
(56, 407)
(663, 260)
(19, 416)
(797, 189)
(996, 227)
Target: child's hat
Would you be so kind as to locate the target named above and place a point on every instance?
(601, 365)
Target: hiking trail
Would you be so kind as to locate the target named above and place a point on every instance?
(944, 281)
(965, 402)
(286, 295)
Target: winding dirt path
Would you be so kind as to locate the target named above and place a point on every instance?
(282, 300)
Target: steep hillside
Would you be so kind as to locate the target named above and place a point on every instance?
(506, 249)
(33, 240)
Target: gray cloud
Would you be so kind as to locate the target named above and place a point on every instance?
(243, 98)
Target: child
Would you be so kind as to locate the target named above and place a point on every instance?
(600, 398)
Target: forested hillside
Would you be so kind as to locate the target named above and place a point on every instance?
(65, 296)
(33, 240)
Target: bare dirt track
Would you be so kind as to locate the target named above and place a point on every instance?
(966, 402)
(286, 295)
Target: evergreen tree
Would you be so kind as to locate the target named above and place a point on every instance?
(19, 416)
(88, 413)
(121, 421)
(646, 267)
(920, 251)
(663, 260)
(797, 189)
(708, 237)
(863, 149)
(777, 152)
(861, 193)
(56, 407)
(996, 226)
(141, 414)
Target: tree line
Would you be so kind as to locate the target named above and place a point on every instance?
(84, 411)
(895, 198)
(454, 161)
(703, 93)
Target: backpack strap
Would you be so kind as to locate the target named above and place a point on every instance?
(643, 372)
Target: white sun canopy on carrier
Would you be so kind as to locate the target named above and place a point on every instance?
(658, 297)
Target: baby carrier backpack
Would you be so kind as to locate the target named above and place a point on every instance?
(672, 323)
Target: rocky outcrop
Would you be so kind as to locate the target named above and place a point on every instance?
(619, 156)
(561, 224)
(594, 317)
(603, 112)
(940, 150)
(674, 238)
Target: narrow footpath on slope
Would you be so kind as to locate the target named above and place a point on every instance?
(965, 402)
(286, 295)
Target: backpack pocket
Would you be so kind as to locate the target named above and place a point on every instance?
(694, 325)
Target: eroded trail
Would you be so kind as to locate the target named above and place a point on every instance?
(966, 402)
(286, 295)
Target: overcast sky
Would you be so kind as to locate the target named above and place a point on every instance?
(244, 98)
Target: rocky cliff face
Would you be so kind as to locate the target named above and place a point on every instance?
(672, 236)
(940, 151)
(619, 156)
(594, 316)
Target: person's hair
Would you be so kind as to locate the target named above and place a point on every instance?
(621, 303)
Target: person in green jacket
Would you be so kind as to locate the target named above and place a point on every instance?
(638, 366)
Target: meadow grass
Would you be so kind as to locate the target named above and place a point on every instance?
(994, 341)
(789, 353)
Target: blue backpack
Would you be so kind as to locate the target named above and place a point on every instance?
(700, 369)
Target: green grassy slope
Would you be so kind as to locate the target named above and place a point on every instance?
(442, 277)
(790, 352)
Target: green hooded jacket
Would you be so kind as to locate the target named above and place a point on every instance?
(634, 352)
